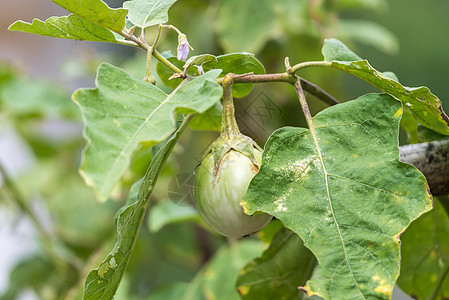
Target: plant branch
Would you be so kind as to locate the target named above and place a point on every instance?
(166, 62)
(285, 77)
(432, 159)
(318, 92)
(252, 78)
(148, 76)
(229, 125)
(276, 77)
(127, 43)
(145, 46)
(303, 102)
(134, 39)
(309, 64)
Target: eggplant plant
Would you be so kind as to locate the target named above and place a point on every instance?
(319, 212)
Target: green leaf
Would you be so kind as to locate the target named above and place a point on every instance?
(97, 12)
(199, 60)
(341, 187)
(267, 234)
(101, 283)
(208, 120)
(66, 27)
(277, 274)
(410, 125)
(428, 135)
(425, 255)
(333, 49)
(237, 63)
(145, 13)
(221, 273)
(245, 25)
(167, 212)
(424, 105)
(123, 112)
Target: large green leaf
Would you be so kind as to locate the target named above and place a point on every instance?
(277, 274)
(425, 106)
(341, 187)
(97, 12)
(144, 13)
(425, 255)
(66, 27)
(101, 283)
(123, 112)
(245, 25)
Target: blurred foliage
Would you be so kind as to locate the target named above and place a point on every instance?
(176, 254)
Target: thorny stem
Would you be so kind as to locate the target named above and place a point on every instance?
(46, 239)
(229, 125)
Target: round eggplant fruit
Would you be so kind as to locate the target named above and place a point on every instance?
(218, 192)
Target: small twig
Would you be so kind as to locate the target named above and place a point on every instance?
(318, 92)
(156, 54)
(172, 28)
(252, 78)
(127, 43)
(137, 41)
(158, 36)
(304, 105)
(148, 76)
(308, 64)
(287, 65)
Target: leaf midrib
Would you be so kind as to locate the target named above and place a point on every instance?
(132, 138)
(320, 156)
(148, 14)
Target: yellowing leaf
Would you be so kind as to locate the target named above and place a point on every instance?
(341, 187)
